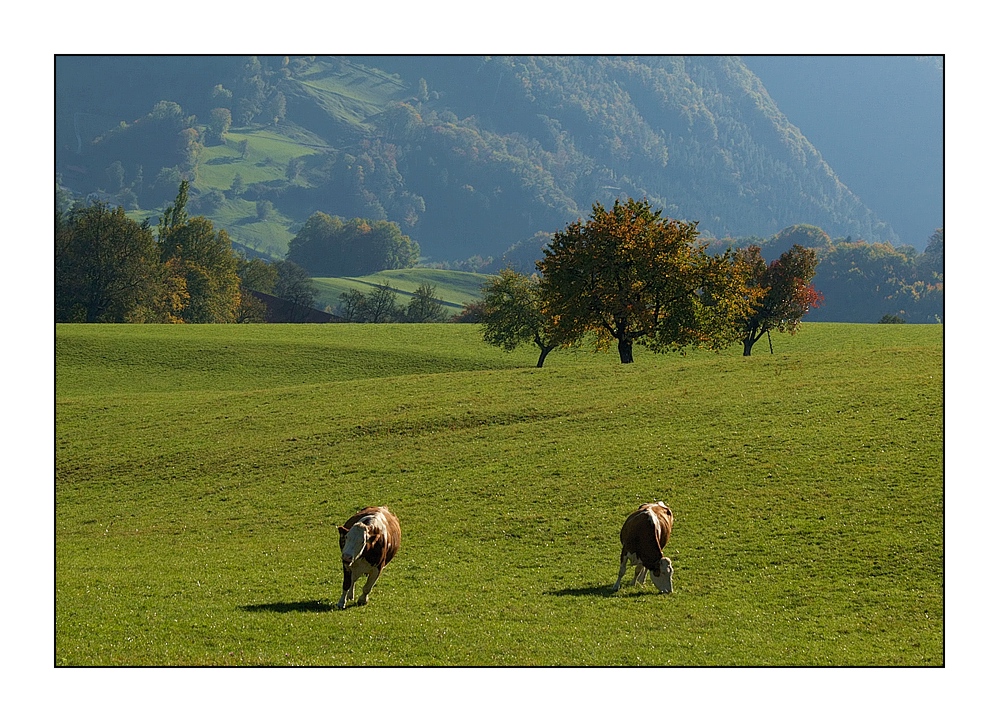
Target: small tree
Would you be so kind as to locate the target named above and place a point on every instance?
(353, 306)
(380, 305)
(784, 292)
(116, 174)
(293, 284)
(264, 209)
(471, 313)
(294, 168)
(219, 123)
(238, 187)
(424, 307)
(891, 319)
(511, 312)
(275, 108)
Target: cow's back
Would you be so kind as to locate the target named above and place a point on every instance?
(637, 525)
(393, 534)
(665, 516)
(360, 514)
(652, 521)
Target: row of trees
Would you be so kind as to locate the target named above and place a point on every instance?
(380, 306)
(630, 276)
(110, 268)
(863, 281)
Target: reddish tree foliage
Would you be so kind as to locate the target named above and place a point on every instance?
(787, 296)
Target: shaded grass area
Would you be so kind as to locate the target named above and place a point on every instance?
(197, 498)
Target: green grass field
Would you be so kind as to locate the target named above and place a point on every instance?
(201, 471)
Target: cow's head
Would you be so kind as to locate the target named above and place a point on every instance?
(664, 577)
(353, 542)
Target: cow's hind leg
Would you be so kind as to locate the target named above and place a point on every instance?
(372, 579)
(621, 571)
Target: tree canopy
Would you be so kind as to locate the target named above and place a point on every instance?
(107, 267)
(511, 313)
(329, 246)
(202, 259)
(632, 276)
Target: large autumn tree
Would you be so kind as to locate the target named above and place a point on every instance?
(784, 295)
(632, 276)
(511, 315)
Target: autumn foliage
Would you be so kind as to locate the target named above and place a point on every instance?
(631, 276)
(783, 292)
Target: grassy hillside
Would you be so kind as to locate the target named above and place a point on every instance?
(453, 288)
(200, 471)
(350, 92)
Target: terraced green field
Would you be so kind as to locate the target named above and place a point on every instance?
(201, 472)
(453, 288)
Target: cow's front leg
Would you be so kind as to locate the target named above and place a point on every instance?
(372, 579)
(640, 574)
(348, 593)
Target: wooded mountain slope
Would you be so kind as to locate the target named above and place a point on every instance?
(879, 121)
(469, 155)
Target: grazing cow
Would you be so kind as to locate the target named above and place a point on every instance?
(368, 541)
(644, 535)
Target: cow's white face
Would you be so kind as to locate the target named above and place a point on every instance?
(665, 580)
(354, 543)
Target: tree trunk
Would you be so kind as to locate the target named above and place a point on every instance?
(748, 343)
(545, 353)
(625, 350)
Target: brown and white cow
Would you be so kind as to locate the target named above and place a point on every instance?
(644, 536)
(368, 542)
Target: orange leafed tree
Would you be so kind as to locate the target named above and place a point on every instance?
(784, 292)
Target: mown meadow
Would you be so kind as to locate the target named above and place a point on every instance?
(201, 472)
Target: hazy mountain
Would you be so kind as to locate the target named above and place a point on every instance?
(471, 155)
(879, 121)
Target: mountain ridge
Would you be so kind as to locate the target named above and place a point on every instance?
(469, 155)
